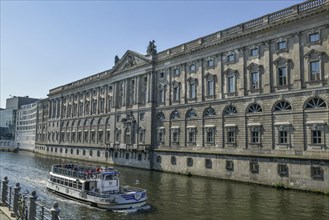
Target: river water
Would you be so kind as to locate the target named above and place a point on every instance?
(172, 196)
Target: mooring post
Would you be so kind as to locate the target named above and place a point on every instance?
(4, 189)
(55, 211)
(16, 197)
(33, 206)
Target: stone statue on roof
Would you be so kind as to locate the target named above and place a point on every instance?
(116, 59)
(151, 48)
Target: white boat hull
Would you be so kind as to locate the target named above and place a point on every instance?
(110, 201)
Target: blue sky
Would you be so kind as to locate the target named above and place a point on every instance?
(45, 44)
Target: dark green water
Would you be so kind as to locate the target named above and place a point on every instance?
(173, 196)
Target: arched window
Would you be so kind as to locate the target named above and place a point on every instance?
(209, 112)
(315, 103)
(230, 110)
(254, 108)
(174, 115)
(191, 113)
(161, 116)
(282, 106)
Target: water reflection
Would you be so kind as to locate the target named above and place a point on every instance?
(173, 196)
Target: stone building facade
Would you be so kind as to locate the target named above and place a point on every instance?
(26, 117)
(249, 103)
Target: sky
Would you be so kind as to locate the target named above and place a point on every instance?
(46, 44)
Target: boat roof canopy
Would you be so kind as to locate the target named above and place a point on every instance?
(110, 172)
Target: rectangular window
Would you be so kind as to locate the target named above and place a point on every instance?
(281, 45)
(191, 136)
(317, 173)
(192, 68)
(176, 93)
(141, 137)
(175, 136)
(230, 58)
(314, 37)
(283, 137)
(254, 167)
(192, 90)
(254, 52)
(210, 63)
(210, 136)
(118, 118)
(315, 70)
(231, 137)
(283, 170)
(254, 80)
(229, 165)
(117, 136)
(161, 137)
(210, 87)
(189, 162)
(255, 136)
(282, 76)
(208, 163)
(176, 71)
(230, 84)
(141, 116)
(316, 137)
(162, 97)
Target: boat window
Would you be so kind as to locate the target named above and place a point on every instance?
(108, 177)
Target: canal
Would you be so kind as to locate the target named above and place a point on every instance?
(172, 196)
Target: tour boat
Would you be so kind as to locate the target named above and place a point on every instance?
(96, 186)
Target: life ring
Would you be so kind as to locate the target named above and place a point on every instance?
(57, 188)
(67, 190)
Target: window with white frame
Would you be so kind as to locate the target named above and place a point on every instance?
(282, 71)
(255, 134)
(161, 135)
(175, 135)
(254, 79)
(314, 59)
(230, 84)
(281, 45)
(314, 37)
(162, 94)
(176, 91)
(230, 134)
(141, 135)
(282, 76)
(191, 131)
(254, 52)
(192, 68)
(117, 135)
(315, 70)
(210, 134)
(230, 58)
(192, 90)
(210, 84)
(210, 63)
(176, 71)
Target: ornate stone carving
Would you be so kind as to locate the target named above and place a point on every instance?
(151, 48)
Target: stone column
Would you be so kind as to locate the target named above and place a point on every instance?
(5, 182)
(33, 206)
(16, 196)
